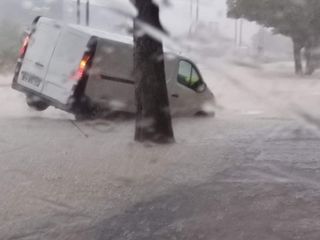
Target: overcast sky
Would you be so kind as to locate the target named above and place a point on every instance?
(210, 11)
(178, 17)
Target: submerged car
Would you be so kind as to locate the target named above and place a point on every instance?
(69, 66)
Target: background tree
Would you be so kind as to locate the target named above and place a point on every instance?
(298, 20)
(153, 121)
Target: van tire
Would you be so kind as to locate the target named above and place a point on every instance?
(36, 103)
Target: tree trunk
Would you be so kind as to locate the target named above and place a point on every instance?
(310, 65)
(297, 47)
(153, 121)
(311, 49)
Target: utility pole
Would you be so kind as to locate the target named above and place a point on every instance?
(191, 17)
(88, 13)
(241, 32)
(197, 11)
(261, 41)
(78, 12)
(236, 32)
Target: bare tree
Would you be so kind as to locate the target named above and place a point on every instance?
(153, 121)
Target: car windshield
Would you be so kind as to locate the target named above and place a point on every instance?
(159, 119)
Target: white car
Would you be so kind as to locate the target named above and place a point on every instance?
(69, 66)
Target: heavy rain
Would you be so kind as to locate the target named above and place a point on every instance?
(159, 119)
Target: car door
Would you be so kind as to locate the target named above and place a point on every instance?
(186, 89)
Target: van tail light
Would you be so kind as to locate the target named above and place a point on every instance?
(24, 46)
(83, 67)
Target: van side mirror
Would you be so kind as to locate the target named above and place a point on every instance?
(201, 88)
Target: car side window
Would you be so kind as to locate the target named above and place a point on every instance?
(189, 76)
(184, 74)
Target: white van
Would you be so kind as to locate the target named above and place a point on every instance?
(73, 67)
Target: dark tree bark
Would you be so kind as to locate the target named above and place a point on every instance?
(153, 121)
(310, 64)
(297, 47)
(311, 52)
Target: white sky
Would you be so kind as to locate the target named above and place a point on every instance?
(178, 18)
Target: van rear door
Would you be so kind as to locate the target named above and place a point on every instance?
(37, 59)
(69, 51)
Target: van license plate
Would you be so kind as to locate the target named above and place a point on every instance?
(31, 79)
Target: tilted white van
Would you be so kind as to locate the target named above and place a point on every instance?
(67, 66)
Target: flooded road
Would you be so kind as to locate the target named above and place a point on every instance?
(248, 173)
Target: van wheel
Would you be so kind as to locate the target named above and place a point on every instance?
(36, 103)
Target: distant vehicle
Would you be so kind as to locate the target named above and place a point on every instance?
(72, 67)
